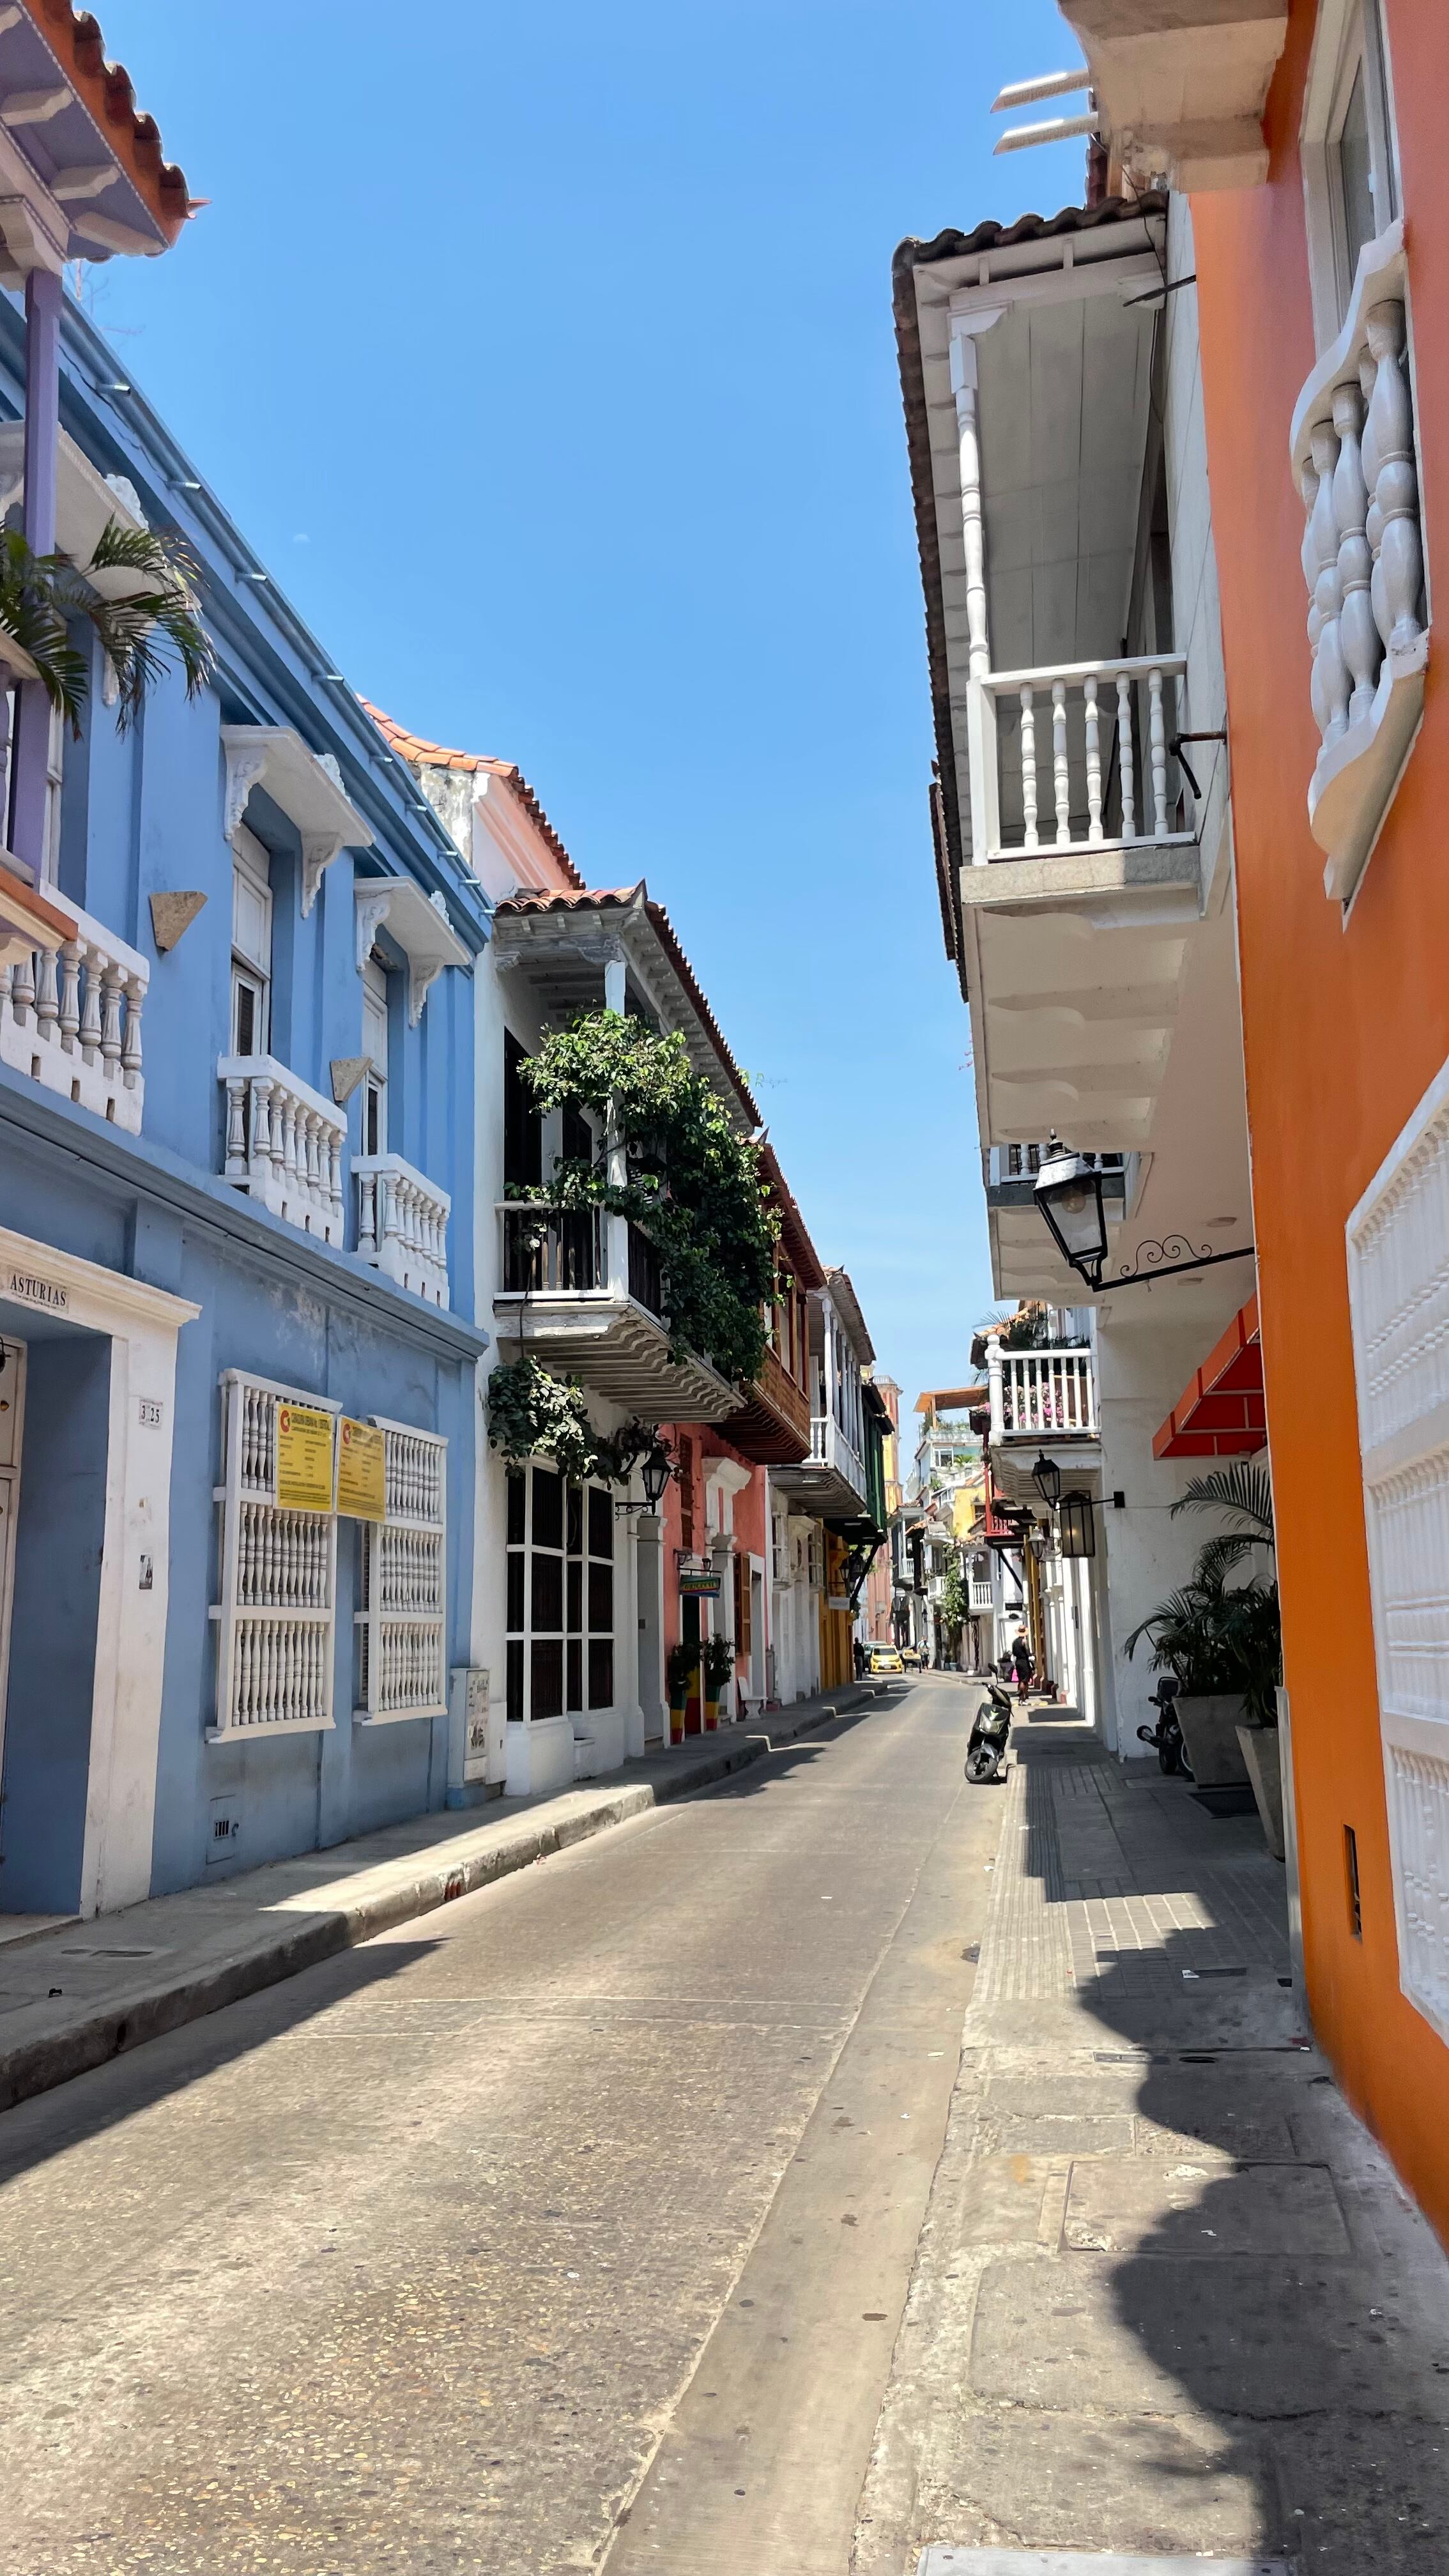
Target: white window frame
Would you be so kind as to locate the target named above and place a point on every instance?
(278, 1578)
(402, 1621)
(374, 1083)
(1348, 32)
(251, 964)
(1398, 1282)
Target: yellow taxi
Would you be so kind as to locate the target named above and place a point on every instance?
(883, 1658)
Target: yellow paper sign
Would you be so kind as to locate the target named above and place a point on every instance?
(304, 1459)
(361, 1471)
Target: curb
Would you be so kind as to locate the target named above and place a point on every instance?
(39, 2065)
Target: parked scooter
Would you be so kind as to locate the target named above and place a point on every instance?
(1166, 1735)
(990, 1735)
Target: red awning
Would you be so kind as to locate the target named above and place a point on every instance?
(1221, 1414)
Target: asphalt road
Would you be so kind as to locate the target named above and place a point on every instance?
(611, 2173)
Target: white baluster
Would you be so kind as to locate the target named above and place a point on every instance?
(1396, 488)
(70, 966)
(1028, 769)
(334, 1181)
(1157, 734)
(90, 1026)
(1333, 672)
(1308, 557)
(111, 1018)
(1094, 762)
(1357, 634)
(367, 1215)
(1061, 778)
(47, 1004)
(1124, 756)
(266, 1139)
(22, 989)
(236, 1169)
(131, 1041)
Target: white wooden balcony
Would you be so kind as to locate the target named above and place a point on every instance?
(402, 1224)
(1076, 760)
(1042, 1402)
(284, 1143)
(70, 1012)
(582, 1289)
(1036, 1395)
(1355, 456)
(831, 1482)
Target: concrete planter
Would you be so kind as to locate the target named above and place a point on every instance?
(1210, 1738)
(1263, 1755)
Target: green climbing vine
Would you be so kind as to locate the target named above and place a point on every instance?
(533, 1414)
(694, 1184)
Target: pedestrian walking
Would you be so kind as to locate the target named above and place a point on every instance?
(1022, 1662)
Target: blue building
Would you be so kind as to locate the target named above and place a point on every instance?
(237, 1234)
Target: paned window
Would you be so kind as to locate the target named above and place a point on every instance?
(560, 1594)
(402, 1617)
(275, 1621)
(251, 947)
(374, 1046)
(1350, 163)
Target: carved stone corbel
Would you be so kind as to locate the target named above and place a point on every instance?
(245, 767)
(421, 980)
(373, 904)
(319, 849)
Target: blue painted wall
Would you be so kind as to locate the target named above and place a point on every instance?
(143, 813)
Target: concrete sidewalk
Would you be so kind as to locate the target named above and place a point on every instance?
(1169, 2300)
(79, 1993)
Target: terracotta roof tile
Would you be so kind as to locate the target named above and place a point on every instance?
(619, 897)
(75, 38)
(422, 754)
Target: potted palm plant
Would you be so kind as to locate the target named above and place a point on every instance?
(719, 1669)
(681, 1665)
(1244, 1494)
(1223, 1644)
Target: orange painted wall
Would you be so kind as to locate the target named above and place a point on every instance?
(1345, 1024)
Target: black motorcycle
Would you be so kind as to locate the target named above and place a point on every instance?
(990, 1735)
(1166, 1735)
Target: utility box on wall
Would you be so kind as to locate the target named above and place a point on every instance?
(476, 1741)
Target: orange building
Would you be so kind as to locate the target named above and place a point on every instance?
(1309, 143)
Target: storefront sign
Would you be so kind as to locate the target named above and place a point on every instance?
(361, 1470)
(30, 1291)
(305, 1475)
(699, 1578)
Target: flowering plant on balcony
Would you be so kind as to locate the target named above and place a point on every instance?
(43, 596)
(694, 1185)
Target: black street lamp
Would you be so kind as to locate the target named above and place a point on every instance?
(1076, 1528)
(655, 1473)
(1069, 1195)
(1046, 1475)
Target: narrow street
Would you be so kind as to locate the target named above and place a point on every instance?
(409, 2263)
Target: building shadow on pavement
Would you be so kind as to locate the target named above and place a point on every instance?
(1247, 2329)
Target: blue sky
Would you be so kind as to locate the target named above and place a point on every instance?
(546, 357)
